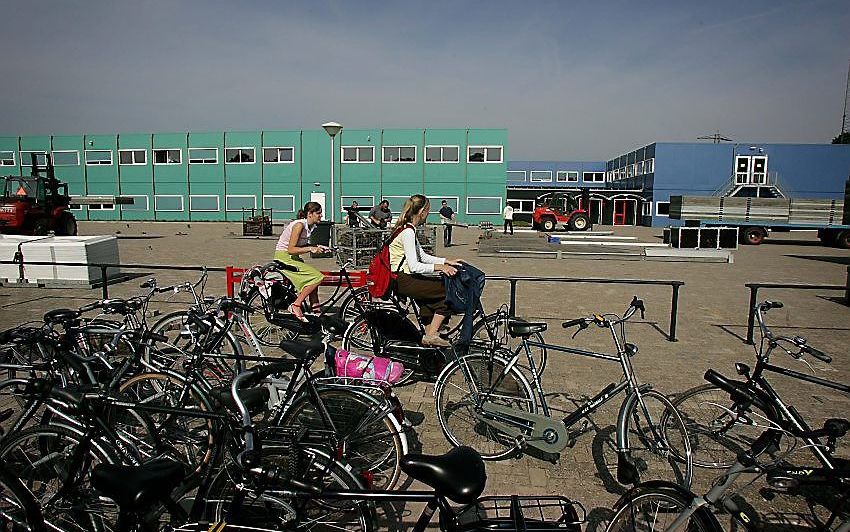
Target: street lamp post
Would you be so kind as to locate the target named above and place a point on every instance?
(332, 128)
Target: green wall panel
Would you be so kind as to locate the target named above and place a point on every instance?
(206, 172)
(402, 171)
(449, 172)
(72, 174)
(487, 172)
(101, 178)
(12, 145)
(206, 201)
(315, 165)
(142, 207)
(171, 180)
(136, 179)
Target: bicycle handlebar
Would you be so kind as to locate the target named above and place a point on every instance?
(737, 393)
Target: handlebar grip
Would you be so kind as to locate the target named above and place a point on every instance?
(256, 374)
(90, 306)
(284, 266)
(245, 307)
(736, 390)
(572, 323)
(772, 304)
(818, 354)
(156, 337)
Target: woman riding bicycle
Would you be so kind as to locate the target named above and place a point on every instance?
(416, 270)
(294, 242)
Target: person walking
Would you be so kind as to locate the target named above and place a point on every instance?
(353, 218)
(294, 242)
(447, 217)
(416, 270)
(508, 214)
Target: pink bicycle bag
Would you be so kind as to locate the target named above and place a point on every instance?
(367, 367)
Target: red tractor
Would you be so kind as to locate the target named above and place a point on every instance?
(560, 209)
(36, 204)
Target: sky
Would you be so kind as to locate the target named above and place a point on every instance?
(569, 80)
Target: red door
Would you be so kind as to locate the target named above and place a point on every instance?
(622, 213)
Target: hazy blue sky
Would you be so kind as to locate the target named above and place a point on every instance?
(568, 79)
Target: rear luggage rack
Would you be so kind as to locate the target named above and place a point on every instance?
(528, 513)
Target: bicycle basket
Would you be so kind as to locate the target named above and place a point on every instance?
(531, 513)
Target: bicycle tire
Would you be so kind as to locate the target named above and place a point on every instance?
(538, 354)
(360, 337)
(348, 309)
(716, 436)
(456, 403)
(641, 507)
(267, 333)
(652, 423)
(370, 436)
(39, 456)
(19, 509)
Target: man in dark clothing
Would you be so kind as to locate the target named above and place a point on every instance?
(447, 218)
(353, 218)
(380, 215)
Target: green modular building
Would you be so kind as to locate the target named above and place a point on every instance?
(212, 176)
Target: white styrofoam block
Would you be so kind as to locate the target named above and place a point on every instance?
(75, 249)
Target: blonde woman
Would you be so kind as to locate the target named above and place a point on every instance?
(419, 273)
(294, 242)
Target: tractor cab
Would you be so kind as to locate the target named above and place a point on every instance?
(24, 188)
(36, 204)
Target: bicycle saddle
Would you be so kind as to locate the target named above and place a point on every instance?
(255, 399)
(334, 325)
(302, 350)
(518, 327)
(458, 475)
(61, 315)
(134, 488)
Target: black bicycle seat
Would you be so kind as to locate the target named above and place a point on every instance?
(134, 488)
(518, 327)
(61, 315)
(458, 475)
(301, 350)
(255, 399)
(334, 325)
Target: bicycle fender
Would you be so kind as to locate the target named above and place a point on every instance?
(663, 485)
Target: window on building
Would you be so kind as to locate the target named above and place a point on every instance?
(279, 203)
(639, 170)
(521, 206)
(442, 154)
(437, 201)
(98, 157)
(202, 156)
(40, 158)
(362, 201)
(516, 175)
(132, 157)
(662, 208)
(483, 205)
(204, 202)
(594, 177)
(168, 203)
(66, 158)
(168, 156)
(279, 154)
(567, 176)
(540, 175)
(646, 208)
(396, 203)
(649, 166)
(239, 155)
(7, 158)
(140, 203)
(358, 154)
(399, 154)
(484, 154)
(101, 206)
(237, 202)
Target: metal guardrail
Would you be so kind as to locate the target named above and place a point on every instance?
(755, 287)
(513, 280)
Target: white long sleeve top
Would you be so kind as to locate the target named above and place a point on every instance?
(416, 260)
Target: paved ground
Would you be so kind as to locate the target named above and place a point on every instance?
(712, 324)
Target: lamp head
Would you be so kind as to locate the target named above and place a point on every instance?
(332, 128)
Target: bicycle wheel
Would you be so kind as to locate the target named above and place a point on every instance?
(55, 465)
(719, 428)
(272, 508)
(497, 323)
(19, 510)
(348, 309)
(362, 337)
(651, 442)
(367, 435)
(656, 508)
(464, 386)
(267, 333)
(190, 439)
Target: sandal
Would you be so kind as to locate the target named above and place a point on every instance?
(297, 312)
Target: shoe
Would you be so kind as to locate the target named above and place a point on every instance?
(297, 312)
(434, 341)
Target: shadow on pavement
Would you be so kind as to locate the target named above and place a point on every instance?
(823, 258)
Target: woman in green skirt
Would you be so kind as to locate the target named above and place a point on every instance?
(294, 242)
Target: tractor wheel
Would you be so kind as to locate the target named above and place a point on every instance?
(66, 225)
(579, 222)
(548, 224)
(753, 236)
(40, 227)
(842, 240)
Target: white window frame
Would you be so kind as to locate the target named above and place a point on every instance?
(442, 157)
(294, 206)
(586, 180)
(98, 207)
(523, 172)
(639, 166)
(217, 202)
(3, 161)
(437, 202)
(501, 205)
(28, 158)
(201, 161)
(532, 179)
(153, 156)
(399, 147)
(241, 148)
(358, 161)
(520, 210)
(133, 151)
(228, 196)
(646, 208)
(135, 197)
(651, 166)
(99, 163)
(487, 148)
(75, 152)
(657, 203)
(156, 206)
(277, 151)
(346, 201)
(391, 197)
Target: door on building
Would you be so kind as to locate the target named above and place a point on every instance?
(319, 197)
(594, 210)
(759, 170)
(624, 211)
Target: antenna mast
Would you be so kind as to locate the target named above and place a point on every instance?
(845, 125)
(715, 137)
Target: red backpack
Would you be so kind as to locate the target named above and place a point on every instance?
(379, 276)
